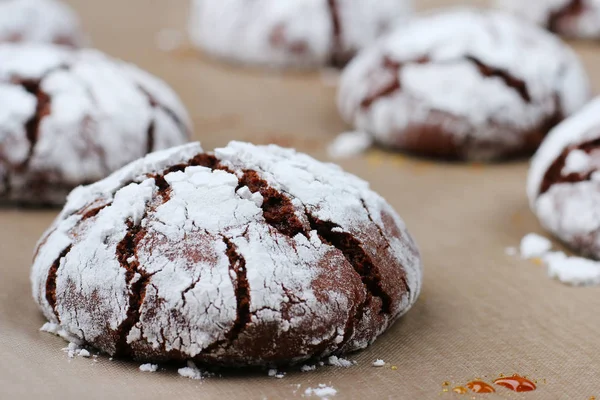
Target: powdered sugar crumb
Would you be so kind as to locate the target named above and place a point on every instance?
(307, 368)
(379, 363)
(340, 362)
(84, 353)
(149, 367)
(272, 372)
(533, 245)
(349, 144)
(169, 39)
(322, 391)
(576, 271)
(56, 329)
(73, 349)
(191, 371)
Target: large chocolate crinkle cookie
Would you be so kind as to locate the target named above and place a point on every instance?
(564, 181)
(463, 84)
(571, 18)
(39, 21)
(72, 117)
(292, 33)
(251, 255)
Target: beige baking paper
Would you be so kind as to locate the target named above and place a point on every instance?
(481, 312)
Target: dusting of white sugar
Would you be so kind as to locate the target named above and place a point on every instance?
(576, 271)
(340, 362)
(349, 144)
(379, 363)
(148, 367)
(323, 391)
(533, 245)
(191, 371)
(307, 368)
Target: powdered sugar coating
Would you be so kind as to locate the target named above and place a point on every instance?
(39, 21)
(298, 33)
(572, 18)
(463, 83)
(71, 117)
(213, 276)
(563, 182)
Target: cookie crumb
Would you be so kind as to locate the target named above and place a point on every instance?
(307, 368)
(576, 271)
(340, 362)
(534, 245)
(379, 363)
(191, 371)
(84, 353)
(149, 367)
(349, 144)
(321, 391)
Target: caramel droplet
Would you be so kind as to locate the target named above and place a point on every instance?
(460, 390)
(516, 383)
(480, 387)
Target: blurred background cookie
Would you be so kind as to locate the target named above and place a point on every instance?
(291, 33)
(564, 183)
(571, 18)
(72, 117)
(40, 21)
(463, 84)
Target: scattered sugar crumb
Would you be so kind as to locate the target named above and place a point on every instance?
(322, 391)
(84, 353)
(340, 362)
(191, 371)
(280, 375)
(169, 39)
(379, 363)
(349, 144)
(330, 76)
(149, 367)
(511, 251)
(534, 245)
(272, 372)
(307, 368)
(57, 330)
(321, 363)
(576, 271)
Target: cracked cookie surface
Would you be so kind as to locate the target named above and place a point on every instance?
(71, 117)
(251, 255)
(570, 18)
(564, 185)
(463, 84)
(292, 33)
(39, 21)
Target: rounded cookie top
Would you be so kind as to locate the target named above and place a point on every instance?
(39, 21)
(563, 181)
(572, 18)
(73, 117)
(251, 255)
(463, 83)
(291, 33)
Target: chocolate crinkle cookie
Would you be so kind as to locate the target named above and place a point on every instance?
(248, 256)
(570, 18)
(39, 21)
(564, 183)
(291, 33)
(72, 117)
(463, 84)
